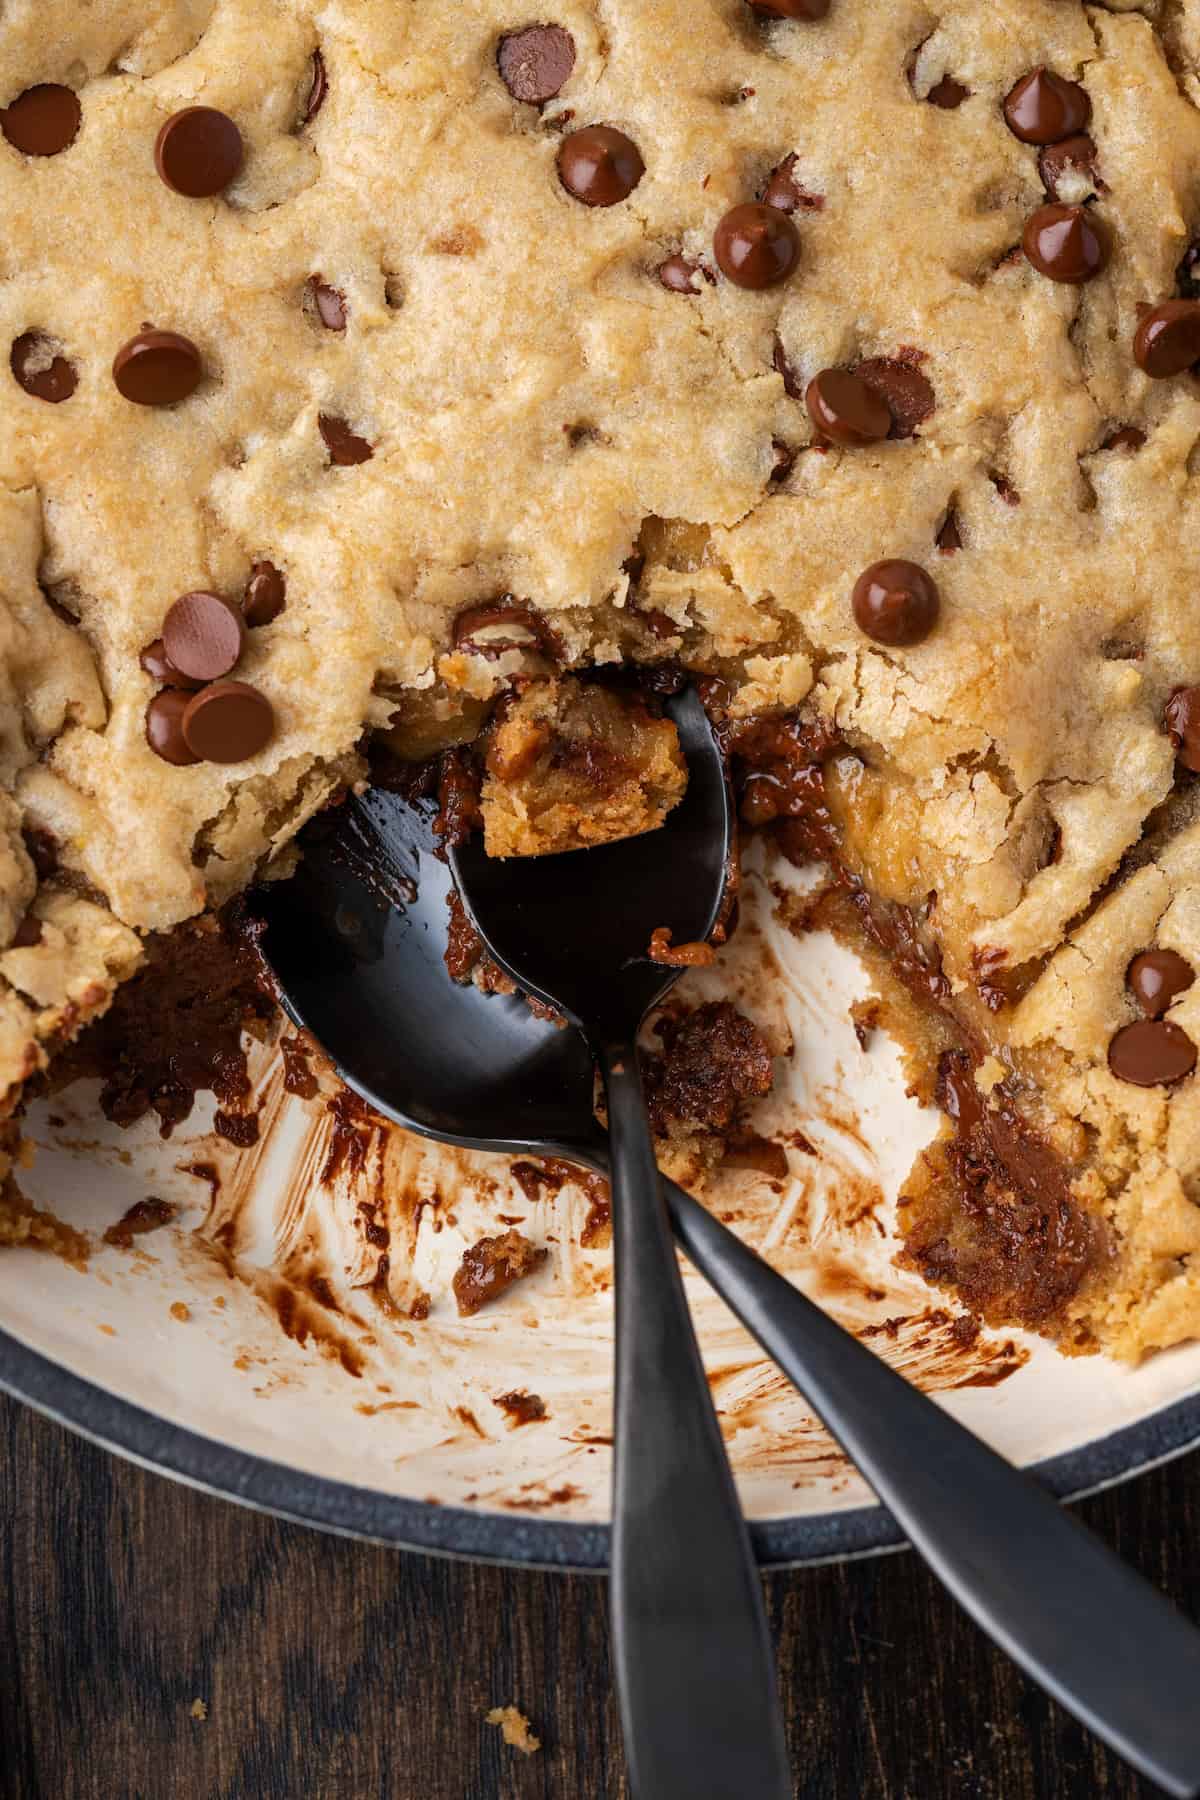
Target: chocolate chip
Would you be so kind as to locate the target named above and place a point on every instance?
(203, 636)
(43, 850)
(947, 93)
(164, 728)
(756, 246)
(1151, 1053)
(199, 152)
(160, 668)
(1126, 437)
(318, 89)
(42, 121)
(908, 394)
(895, 602)
(949, 537)
(1044, 109)
(1167, 340)
(599, 165)
(784, 193)
(535, 62)
(1181, 721)
(157, 368)
(1156, 978)
(228, 722)
(40, 370)
(784, 461)
(345, 447)
(679, 275)
(843, 407)
(28, 933)
(1065, 243)
(265, 596)
(791, 9)
(329, 303)
(505, 624)
(1187, 272)
(1067, 166)
(791, 383)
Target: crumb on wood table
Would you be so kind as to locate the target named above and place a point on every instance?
(199, 1709)
(514, 1728)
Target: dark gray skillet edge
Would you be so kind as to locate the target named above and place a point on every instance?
(502, 1537)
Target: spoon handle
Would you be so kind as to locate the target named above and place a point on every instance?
(1093, 1632)
(694, 1671)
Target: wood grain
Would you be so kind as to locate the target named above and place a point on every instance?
(334, 1671)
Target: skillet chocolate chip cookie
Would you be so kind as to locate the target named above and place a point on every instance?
(370, 365)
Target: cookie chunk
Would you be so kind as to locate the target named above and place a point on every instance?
(571, 765)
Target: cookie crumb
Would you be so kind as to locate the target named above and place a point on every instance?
(181, 1310)
(679, 956)
(199, 1709)
(514, 1728)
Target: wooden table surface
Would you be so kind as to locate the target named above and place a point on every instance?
(335, 1671)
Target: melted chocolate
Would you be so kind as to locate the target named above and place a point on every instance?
(176, 1028)
(1021, 1246)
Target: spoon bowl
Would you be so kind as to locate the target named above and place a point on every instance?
(574, 929)
(357, 941)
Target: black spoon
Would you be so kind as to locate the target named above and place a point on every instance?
(685, 1600)
(356, 939)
